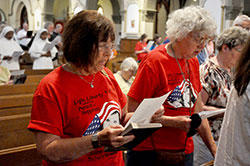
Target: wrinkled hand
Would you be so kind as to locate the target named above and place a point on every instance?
(157, 117)
(110, 137)
(183, 123)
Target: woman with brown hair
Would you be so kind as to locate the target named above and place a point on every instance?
(73, 103)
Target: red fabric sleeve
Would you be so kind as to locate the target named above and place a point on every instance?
(46, 116)
(143, 86)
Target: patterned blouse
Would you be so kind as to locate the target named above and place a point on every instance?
(216, 81)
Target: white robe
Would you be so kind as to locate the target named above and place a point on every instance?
(36, 50)
(234, 141)
(7, 47)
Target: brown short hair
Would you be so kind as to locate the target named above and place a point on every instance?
(81, 36)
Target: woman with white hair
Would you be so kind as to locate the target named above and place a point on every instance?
(42, 58)
(125, 76)
(216, 78)
(242, 21)
(8, 47)
(173, 68)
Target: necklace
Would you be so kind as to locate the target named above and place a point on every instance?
(189, 87)
(90, 83)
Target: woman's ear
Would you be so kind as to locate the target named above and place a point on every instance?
(225, 48)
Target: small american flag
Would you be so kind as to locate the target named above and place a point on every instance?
(177, 92)
(93, 127)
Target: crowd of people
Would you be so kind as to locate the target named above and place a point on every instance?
(81, 107)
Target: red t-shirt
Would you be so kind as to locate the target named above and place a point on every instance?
(67, 106)
(157, 75)
(138, 47)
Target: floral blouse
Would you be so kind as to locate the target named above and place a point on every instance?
(216, 81)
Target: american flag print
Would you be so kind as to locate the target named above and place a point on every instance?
(107, 109)
(180, 96)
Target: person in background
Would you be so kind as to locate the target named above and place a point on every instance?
(49, 26)
(8, 47)
(72, 104)
(207, 52)
(125, 76)
(4, 75)
(56, 32)
(173, 68)
(22, 36)
(242, 21)
(216, 75)
(234, 147)
(42, 58)
(140, 48)
(157, 41)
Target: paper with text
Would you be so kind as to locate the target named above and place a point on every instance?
(17, 54)
(48, 47)
(208, 114)
(146, 110)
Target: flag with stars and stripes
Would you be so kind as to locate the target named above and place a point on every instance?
(177, 92)
(93, 127)
(107, 109)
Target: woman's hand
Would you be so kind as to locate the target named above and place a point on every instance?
(48, 54)
(7, 58)
(183, 123)
(110, 136)
(157, 117)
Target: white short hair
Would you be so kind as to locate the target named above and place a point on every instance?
(190, 19)
(129, 64)
(239, 19)
(232, 37)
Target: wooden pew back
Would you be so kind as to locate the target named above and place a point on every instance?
(17, 145)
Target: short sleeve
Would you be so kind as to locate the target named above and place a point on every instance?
(208, 81)
(144, 85)
(45, 116)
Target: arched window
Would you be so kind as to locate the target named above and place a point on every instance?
(2, 16)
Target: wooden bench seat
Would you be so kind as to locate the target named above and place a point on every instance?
(16, 100)
(17, 145)
(33, 79)
(17, 89)
(20, 156)
(37, 72)
(13, 131)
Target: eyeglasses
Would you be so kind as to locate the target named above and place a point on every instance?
(103, 46)
(199, 40)
(239, 50)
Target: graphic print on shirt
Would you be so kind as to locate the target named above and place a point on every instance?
(109, 115)
(180, 96)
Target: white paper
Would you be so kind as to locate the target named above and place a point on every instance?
(57, 40)
(48, 47)
(208, 114)
(150, 43)
(147, 109)
(16, 54)
(17, 72)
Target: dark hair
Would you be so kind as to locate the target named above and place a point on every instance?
(156, 36)
(143, 36)
(242, 75)
(81, 36)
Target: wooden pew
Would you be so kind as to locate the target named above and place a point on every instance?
(17, 145)
(37, 72)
